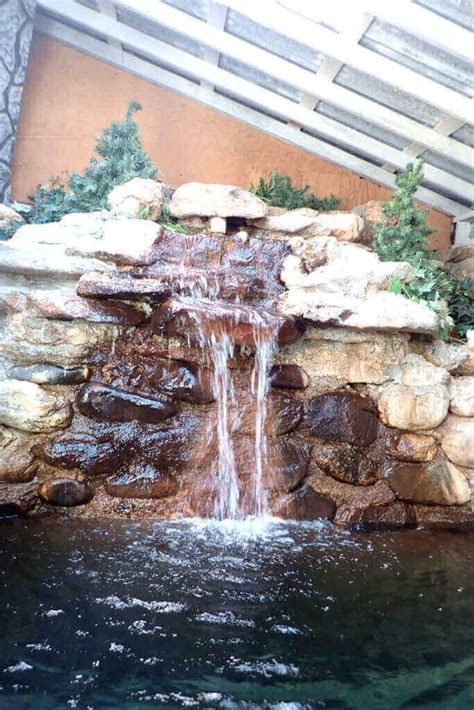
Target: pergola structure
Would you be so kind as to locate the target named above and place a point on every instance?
(366, 84)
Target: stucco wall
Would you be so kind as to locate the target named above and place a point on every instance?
(69, 98)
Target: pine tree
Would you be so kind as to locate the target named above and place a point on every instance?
(120, 158)
(404, 236)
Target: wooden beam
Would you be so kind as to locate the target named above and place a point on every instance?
(266, 100)
(312, 85)
(150, 72)
(273, 16)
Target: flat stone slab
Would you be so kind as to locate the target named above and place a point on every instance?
(110, 404)
(29, 260)
(206, 200)
(65, 304)
(244, 325)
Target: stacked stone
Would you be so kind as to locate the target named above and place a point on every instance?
(106, 398)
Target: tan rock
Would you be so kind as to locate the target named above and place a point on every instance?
(461, 390)
(289, 221)
(467, 365)
(18, 498)
(27, 406)
(372, 214)
(452, 356)
(344, 226)
(27, 341)
(457, 440)
(205, 200)
(440, 483)
(17, 461)
(463, 268)
(135, 197)
(362, 358)
(460, 252)
(410, 447)
(413, 408)
(417, 372)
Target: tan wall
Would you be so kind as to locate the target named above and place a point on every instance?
(69, 98)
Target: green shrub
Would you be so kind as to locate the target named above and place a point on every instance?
(279, 191)
(404, 238)
(120, 157)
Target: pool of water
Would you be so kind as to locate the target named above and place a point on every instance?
(283, 616)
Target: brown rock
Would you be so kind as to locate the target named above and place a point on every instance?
(304, 504)
(122, 285)
(345, 494)
(343, 416)
(141, 481)
(347, 463)
(372, 214)
(184, 382)
(50, 374)
(378, 517)
(440, 483)
(83, 452)
(283, 414)
(446, 518)
(460, 252)
(408, 447)
(65, 492)
(110, 404)
(243, 324)
(64, 304)
(457, 440)
(289, 377)
(18, 498)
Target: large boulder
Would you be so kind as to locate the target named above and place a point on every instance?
(413, 408)
(462, 396)
(457, 440)
(204, 200)
(351, 464)
(79, 241)
(349, 288)
(344, 417)
(440, 483)
(339, 356)
(137, 197)
(27, 406)
(309, 223)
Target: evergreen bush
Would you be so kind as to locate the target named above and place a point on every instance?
(279, 191)
(404, 237)
(120, 157)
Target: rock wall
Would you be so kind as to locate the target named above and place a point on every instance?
(16, 23)
(107, 404)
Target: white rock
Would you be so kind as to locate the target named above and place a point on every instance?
(451, 356)
(457, 440)
(204, 200)
(8, 217)
(136, 196)
(290, 221)
(415, 371)
(26, 406)
(462, 396)
(123, 242)
(345, 226)
(47, 261)
(413, 408)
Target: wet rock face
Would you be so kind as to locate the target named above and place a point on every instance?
(347, 463)
(141, 481)
(404, 446)
(178, 317)
(84, 452)
(283, 414)
(380, 517)
(343, 416)
(289, 377)
(304, 504)
(109, 404)
(184, 382)
(65, 492)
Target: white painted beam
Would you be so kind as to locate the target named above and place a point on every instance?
(107, 7)
(422, 23)
(216, 18)
(145, 70)
(266, 100)
(273, 16)
(312, 85)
